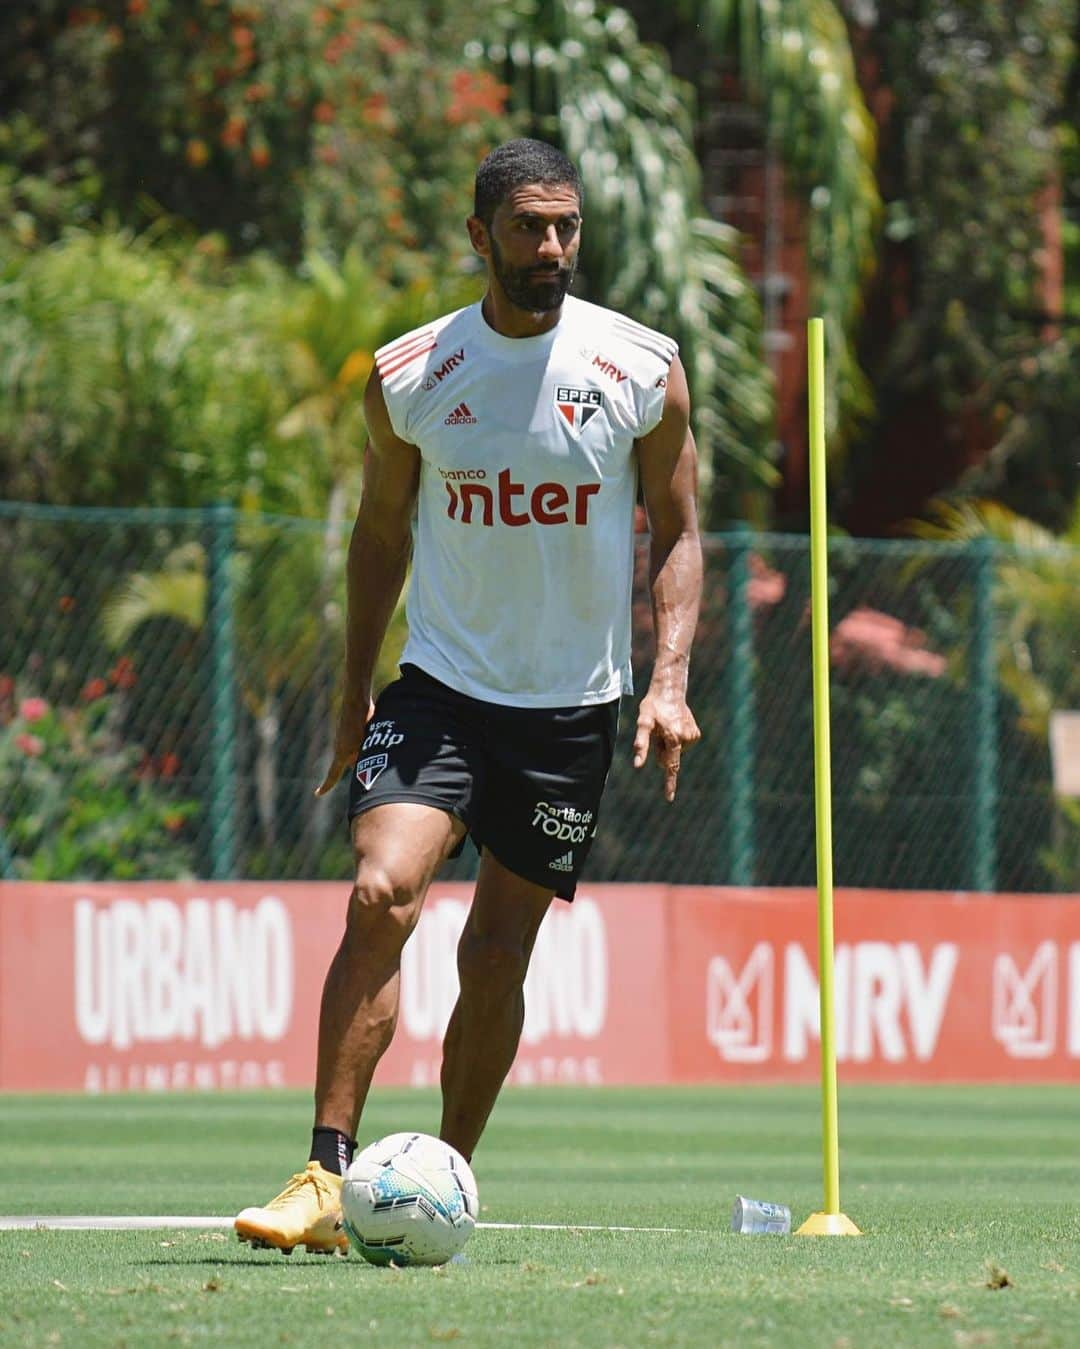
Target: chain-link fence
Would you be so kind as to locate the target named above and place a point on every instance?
(167, 680)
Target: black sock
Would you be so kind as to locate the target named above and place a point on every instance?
(332, 1149)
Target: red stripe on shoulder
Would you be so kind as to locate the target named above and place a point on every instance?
(409, 340)
(389, 363)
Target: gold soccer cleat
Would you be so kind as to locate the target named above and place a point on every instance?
(306, 1213)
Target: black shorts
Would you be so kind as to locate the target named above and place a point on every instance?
(525, 781)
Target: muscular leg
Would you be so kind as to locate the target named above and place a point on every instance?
(485, 1026)
(397, 848)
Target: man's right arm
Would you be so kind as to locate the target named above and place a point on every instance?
(375, 571)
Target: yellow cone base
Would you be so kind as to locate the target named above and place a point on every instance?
(828, 1225)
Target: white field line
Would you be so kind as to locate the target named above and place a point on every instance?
(137, 1223)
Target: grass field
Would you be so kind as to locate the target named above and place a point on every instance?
(969, 1199)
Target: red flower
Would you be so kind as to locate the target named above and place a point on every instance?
(96, 688)
(33, 709)
(473, 95)
(123, 674)
(66, 603)
(336, 48)
(7, 686)
(323, 111)
(169, 765)
(233, 134)
(766, 586)
(376, 109)
(869, 641)
(388, 43)
(31, 745)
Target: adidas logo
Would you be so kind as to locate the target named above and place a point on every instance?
(563, 863)
(461, 416)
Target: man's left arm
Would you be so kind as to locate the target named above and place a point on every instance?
(667, 461)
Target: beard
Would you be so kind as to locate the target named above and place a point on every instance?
(523, 287)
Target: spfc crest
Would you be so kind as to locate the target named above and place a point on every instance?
(578, 406)
(367, 770)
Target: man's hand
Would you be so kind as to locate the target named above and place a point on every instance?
(664, 720)
(348, 737)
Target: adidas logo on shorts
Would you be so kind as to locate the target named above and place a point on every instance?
(563, 863)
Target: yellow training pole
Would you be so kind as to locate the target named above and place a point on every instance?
(832, 1222)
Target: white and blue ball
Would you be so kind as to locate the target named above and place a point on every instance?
(409, 1199)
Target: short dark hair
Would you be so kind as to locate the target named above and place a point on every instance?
(515, 164)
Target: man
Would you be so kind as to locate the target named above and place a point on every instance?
(506, 445)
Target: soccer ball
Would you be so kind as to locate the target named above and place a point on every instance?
(409, 1199)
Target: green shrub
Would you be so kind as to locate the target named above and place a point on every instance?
(79, 801)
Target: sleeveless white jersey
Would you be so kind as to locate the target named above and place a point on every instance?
(523, 535)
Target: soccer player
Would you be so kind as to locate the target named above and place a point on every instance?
(507, 442)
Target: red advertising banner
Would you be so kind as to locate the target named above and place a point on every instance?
(928, 987)
(170, 986)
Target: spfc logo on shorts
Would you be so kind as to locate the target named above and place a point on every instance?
(578, 406)
(367, 770)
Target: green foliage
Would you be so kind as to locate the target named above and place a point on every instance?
(1034, 465)
(288, 605)
(137, 372)
(301, 129)
(1069, 133)
(978, 87)
(141, 374)
(332, 325)
(52, 71)
(901, 741)
(1037, 599)
(1037, 613)
(81, 802)
(310, 129)
(284, 126)
(972, 149)
(394, 172)
(1062, 859)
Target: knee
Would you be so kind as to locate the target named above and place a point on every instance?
(379, 903)
(491, 966)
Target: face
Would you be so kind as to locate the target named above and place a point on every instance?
(532, 244)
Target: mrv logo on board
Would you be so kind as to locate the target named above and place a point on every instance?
(888, 1003)
(891, 1002)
